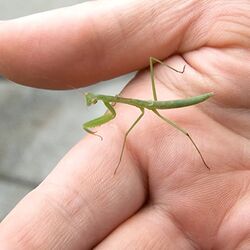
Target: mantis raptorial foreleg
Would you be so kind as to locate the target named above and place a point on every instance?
(184, 132)
(125, 137)
(100, 120)
(153, 60)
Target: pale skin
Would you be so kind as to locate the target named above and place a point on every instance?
(162, 194)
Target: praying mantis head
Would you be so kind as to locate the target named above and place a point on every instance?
(90, 99)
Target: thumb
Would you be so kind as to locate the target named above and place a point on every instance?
(96, 40)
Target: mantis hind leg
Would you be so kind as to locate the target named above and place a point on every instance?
(153, 60)
(109, 115)
(125, 138)
(185, 133)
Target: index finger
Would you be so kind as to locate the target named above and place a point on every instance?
(80, 202)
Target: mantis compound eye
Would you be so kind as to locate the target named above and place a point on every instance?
(90, 99)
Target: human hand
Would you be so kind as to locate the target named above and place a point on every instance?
(162, 196)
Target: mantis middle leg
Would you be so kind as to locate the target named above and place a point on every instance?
(125, 138)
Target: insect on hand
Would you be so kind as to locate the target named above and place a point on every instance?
(152, 105)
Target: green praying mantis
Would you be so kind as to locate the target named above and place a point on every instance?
(152, 105)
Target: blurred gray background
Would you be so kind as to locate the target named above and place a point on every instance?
(38, 126)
